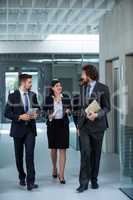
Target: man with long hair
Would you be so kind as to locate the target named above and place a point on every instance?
(91, 126)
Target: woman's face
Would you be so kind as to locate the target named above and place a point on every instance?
(57, 89)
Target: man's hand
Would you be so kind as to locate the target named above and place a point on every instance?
(24, 117)
(92, 116)
(34, 115)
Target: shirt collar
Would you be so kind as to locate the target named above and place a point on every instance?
(92, 84)
(22, 92)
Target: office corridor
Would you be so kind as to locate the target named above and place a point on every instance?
(51, 189)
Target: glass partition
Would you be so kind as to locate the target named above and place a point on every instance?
(126, 143)
(43, 68)
(11, 82)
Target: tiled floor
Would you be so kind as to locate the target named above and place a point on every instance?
(51, 189)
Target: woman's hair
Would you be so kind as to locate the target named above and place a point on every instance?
(53, 83)
(91, 72)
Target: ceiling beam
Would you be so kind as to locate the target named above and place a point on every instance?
(50, 9)
(7, 18)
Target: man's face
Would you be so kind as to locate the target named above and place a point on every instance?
(84, 77)
(28, 84)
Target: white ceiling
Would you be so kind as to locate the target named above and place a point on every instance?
(36, 19)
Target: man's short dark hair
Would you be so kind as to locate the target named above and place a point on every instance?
(23, 77)
(91, 71)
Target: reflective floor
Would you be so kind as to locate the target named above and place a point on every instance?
(50, 189)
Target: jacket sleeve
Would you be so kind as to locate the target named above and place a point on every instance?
(46, 104)
(9, 109)
(46, 107)
(35, 103)
(105, 103)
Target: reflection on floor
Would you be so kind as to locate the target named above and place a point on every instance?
(51, 189)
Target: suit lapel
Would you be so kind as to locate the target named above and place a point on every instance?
(51, 103)
(19, 99)
(30, 98)
(94, 91)
(63, 104)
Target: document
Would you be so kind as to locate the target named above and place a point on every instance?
(93, 107)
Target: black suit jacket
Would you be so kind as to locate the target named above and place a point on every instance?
(14, 108)
(102, 95)
(48, 107)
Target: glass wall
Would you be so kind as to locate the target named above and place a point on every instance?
(11, 82)
(126, 144)
(43, 68)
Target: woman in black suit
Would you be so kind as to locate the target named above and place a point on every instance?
(57, 108)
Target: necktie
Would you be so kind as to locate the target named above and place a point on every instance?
(26, 103)
(87, 94)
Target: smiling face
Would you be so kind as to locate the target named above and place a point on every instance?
(57, 88)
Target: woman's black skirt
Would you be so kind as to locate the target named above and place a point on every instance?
(58, 134)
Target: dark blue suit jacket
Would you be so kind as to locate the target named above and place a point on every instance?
(14, 108)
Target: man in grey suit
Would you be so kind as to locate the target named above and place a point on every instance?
(91, 126)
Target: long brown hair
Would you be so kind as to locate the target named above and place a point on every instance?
(91, 71)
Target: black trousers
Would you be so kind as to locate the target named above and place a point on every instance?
(28, 141)
(90, 149)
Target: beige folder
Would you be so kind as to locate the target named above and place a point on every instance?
(93, 107)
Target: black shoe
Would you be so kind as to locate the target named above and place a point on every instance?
(62, 181)
(94, 185)
(32, 186)
(55, 175)
(22, 183)
(81, 189)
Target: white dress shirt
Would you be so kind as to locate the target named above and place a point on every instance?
(92, 85)
(58, 110)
